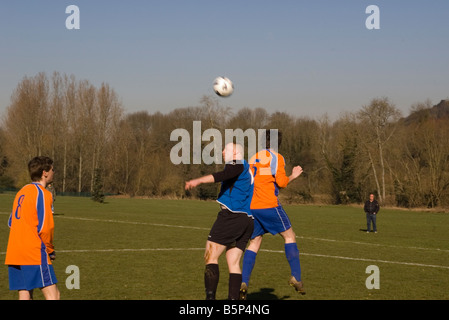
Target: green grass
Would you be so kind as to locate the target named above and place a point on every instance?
(153, 250)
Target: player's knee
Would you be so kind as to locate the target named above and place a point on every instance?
(254, 244)
(289, 236)
(25, 295)
(51, 292)
(211, 255)
(208, 259)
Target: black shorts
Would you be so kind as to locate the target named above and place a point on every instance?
(232, 229)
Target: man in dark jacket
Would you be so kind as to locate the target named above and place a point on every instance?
(371, 209)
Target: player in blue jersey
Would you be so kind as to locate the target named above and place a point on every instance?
(234, 225)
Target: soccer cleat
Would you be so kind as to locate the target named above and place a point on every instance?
(243, 291)
(297, 285)
(210, 295)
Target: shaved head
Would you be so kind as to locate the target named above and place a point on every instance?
(233, 151)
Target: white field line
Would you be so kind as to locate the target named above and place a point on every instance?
(364, 259)
(264, 250)
(373, 244)
(199, 228)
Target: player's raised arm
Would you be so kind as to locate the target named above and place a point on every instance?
(196, 182)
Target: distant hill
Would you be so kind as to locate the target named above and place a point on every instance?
(439, 111)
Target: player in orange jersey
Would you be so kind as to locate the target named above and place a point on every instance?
(30, 246)
(269, 177)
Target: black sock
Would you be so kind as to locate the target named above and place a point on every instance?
(211, 276)
(235, 281)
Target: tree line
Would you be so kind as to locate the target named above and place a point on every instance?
(404, 161)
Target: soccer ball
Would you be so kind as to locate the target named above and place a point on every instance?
(223, 87)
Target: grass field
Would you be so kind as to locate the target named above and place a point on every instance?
(153, 250)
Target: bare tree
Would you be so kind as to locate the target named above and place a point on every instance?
(435, 137)
(26, 122)
(379, 121)
(106, 118)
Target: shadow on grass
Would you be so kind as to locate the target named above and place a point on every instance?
(366, 230)
(265, 294)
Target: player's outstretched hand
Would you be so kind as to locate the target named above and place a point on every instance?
(191, 184)
(195, 182)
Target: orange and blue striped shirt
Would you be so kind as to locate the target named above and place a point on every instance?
(31, 227)
(269, 176)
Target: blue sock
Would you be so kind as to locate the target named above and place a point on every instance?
(292, 254)
(249, 259)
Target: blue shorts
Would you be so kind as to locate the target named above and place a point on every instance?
(272, 220)
(31, 277)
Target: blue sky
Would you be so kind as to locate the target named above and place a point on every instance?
(306, 58)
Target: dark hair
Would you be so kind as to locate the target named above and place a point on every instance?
(267, 137)
(37, 166)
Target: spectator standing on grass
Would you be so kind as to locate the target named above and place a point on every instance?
(30, 247)
(371, 209)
